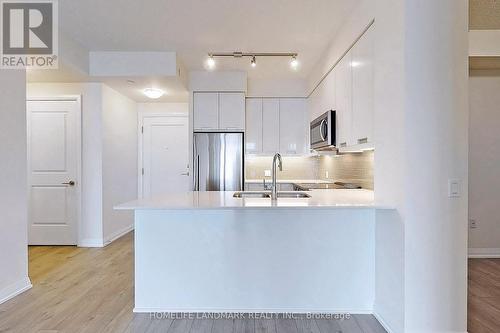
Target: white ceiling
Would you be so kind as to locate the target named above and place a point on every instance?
(194, 27)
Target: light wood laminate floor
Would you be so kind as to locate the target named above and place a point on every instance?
(91, 290)
(484, 296)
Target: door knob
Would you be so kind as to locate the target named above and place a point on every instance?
(70, 183)
(185, 174)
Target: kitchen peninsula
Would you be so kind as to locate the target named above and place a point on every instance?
(210, 251)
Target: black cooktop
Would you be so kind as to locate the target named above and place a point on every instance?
(327, 186)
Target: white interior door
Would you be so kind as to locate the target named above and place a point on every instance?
(53, 157)
(165, 157)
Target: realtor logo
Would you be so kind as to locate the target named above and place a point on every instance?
(29, 34)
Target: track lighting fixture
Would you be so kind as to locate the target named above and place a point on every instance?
(210, 63)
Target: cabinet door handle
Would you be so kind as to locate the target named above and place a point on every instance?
(363, 140)
(343, 144)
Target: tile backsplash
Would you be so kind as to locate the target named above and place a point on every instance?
(353, 168)
(294, 167)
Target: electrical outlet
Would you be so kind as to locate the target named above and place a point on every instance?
(473, 224)
(267, 173)
(454, 188)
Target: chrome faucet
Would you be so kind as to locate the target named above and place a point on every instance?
(274, 191)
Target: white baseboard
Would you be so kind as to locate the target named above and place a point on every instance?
(15, 289)
(382, 322)
(91, 242)
(114, 236)
(278, 310)
(480, 252)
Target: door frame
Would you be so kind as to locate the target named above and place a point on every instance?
(141, 115)
(78, 150)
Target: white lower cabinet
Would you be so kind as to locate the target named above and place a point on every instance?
(276, 125)
(260, 186)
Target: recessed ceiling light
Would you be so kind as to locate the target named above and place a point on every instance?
(153, 93)
(210, 62)
(253, 62)
(294, 63)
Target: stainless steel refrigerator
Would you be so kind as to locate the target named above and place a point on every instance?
(218, 161)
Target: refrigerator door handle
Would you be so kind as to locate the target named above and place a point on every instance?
(197, 172)
(196, 165)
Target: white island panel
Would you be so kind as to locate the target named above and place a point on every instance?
(298, 260)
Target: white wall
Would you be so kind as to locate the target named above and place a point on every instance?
(119, 161)
(436, 150)
(484, 163)
(13, 185)
(277, 88)
(421, 125)
(90, 231)
(109, 139)
(169, 108)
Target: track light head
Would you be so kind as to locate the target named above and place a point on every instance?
(294, 63)
(210, 62)
(253, 62)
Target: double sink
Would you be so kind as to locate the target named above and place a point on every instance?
(267, 195)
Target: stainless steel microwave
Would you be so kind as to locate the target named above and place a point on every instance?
(323, 132)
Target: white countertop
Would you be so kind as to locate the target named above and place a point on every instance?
(224, 200)
(291, 181)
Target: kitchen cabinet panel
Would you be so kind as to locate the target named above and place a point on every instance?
(205, 111)
(253, 133)
(362, 89)
(343, 88)
(270, 125)
(293, 126)
(324, 97)
(232, 111)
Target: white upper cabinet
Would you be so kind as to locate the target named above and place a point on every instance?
(277, 125)
(232, 111)
(293, 126)
(219, 111)
(324, 97)
(362, 89)
(343, 89)
(206, 111)
(270, 125)
(348, 89)
(253, 133)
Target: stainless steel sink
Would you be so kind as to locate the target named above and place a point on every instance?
(250, 194)
(293, 195)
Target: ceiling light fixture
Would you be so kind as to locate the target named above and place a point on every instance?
(211, 61)
(294, 63)
(253, 62)
(153, 93)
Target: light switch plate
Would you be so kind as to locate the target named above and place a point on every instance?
(454, 188)
(267, 173)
